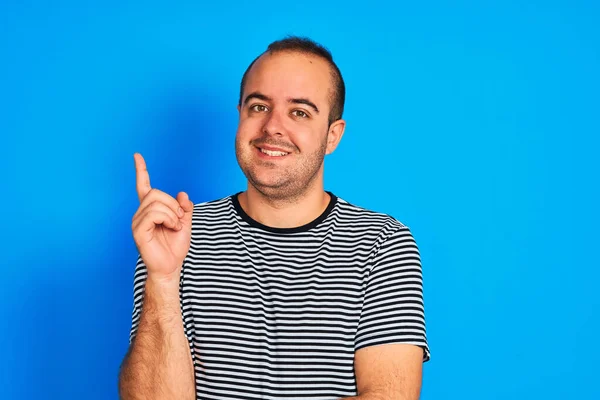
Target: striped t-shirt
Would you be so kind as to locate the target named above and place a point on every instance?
(275, 313)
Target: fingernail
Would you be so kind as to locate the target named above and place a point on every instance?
(180, 211)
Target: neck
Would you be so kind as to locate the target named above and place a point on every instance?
(284, 213)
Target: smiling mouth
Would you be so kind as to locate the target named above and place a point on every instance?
(273, 153)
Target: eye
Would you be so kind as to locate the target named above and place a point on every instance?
(258, 108)
(300, 114)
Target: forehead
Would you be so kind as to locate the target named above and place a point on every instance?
(283, 75)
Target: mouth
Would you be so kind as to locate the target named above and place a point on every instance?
(271, 154)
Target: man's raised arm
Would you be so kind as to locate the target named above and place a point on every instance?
(158, 364)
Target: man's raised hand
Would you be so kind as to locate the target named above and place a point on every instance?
(162, 227)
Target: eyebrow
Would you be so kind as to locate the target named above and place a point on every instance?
(301, 100)
(304, 101)
(256, 95)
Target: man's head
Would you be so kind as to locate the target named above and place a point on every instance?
(291, 103)
(308, 47)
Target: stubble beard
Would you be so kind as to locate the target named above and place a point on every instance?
(292, 182)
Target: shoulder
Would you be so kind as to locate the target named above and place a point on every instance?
(212, 205)
(359, 217)
(372, 228)
(216, 208)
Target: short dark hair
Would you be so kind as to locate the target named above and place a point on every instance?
(308, 46)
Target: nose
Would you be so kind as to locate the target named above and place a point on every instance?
(274, 124)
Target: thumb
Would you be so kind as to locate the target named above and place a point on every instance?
(185, 203)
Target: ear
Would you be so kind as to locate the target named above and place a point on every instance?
(238, 108)
(334, 135)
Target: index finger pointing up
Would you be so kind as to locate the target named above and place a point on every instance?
(142, 177)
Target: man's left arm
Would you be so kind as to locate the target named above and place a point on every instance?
(390, 342)
(388, 372)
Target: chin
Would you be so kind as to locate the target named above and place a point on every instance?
(266, 182)
(273, 187)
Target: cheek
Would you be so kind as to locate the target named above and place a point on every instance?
(311, 140)
(244, 132)
(248, 129)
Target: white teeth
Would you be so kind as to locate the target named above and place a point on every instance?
(273, 153)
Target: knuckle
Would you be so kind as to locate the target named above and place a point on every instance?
(153, 212)
(149, 195)
(137, 213)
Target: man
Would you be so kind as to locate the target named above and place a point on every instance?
(284, 290)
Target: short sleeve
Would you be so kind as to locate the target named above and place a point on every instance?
(393, 308)
(139, 282)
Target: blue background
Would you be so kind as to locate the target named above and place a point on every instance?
(474, 123)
